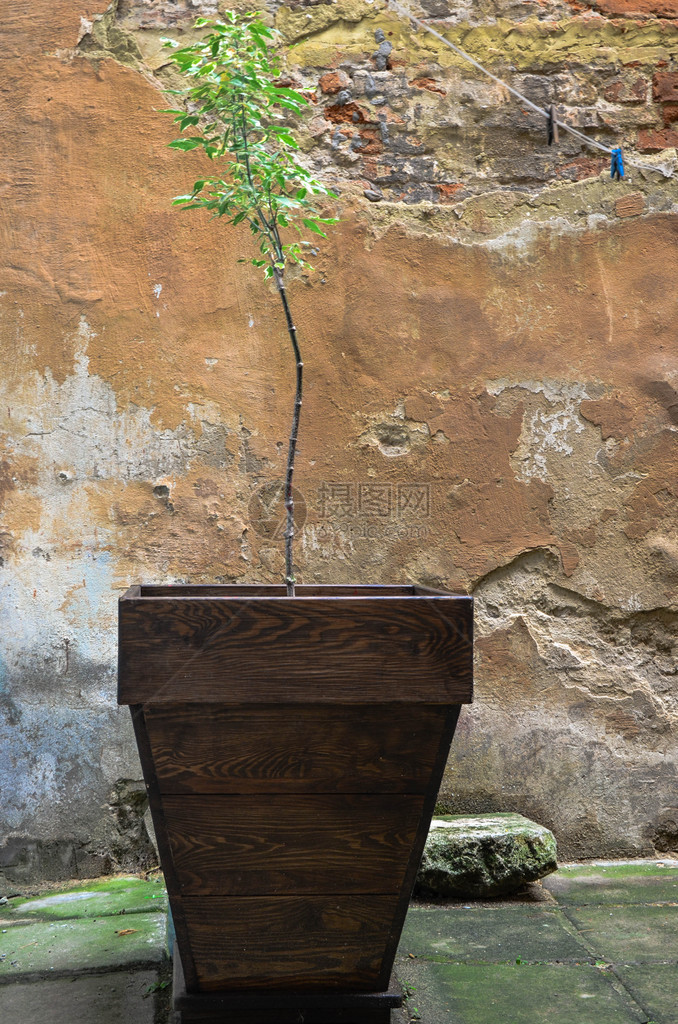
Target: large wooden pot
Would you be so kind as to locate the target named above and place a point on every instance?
(292, 750)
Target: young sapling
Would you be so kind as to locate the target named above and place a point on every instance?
(236, 111)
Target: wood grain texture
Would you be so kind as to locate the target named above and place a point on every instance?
(205, 748)
(321, 649)
(322, 843)
(302, 942)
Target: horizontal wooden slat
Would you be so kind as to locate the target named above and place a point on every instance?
(329, 843)
(305, 942)
(339, 650)
(204, 748)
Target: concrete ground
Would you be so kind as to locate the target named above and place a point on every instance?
(594, 944)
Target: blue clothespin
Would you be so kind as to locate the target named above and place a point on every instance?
(617, 164)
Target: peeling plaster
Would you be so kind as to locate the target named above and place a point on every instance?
(546, 431)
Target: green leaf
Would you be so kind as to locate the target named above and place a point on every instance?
(291, 93)
(312, 226)
(238, 113)
(186, 144)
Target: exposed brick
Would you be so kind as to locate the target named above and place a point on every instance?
(346, 113)
(428, 83)
(448, 190)
(390, 116)
(630, 205)
(665, 87)
(633, 8)
(371, 141)
(334, 81)
(670, 113)
(624, 91)
(661, 138)
(583, 167)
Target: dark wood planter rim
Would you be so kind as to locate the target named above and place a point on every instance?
(329, 644)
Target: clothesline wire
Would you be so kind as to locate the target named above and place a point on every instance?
(523, 99)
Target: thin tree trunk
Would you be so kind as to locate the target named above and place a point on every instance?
(294, 432)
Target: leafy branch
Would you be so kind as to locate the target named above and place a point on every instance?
(237, 112)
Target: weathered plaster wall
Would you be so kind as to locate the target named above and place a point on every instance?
(491, 405)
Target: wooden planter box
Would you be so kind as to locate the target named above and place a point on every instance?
(292, 749)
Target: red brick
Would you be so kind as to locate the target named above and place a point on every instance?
(626, 91)
(448, 190)
(371, 141)
(651, 141)
(633, 8)
(670, 113)
(665, 87)
(583, 167)
(334, 81)
(428, 83)
(630, 205)
(344, 114)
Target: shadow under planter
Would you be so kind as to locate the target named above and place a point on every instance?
(292, 750)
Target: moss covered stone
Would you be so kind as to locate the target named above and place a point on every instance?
(484, 855)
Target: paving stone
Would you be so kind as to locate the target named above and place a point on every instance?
(644, 882)
(514, 994)
(484, 855)
(117, 998)
(490, 934)
(629, 934)
(655, 988)
(77, 945)
(90, 899)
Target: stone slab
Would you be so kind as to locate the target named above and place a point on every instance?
(484, 855)
(91, 899)
(513, 994)
(531, 933)
(117, 998)
(634, 882)
(56, 947)
(655, 988)
(629, 934)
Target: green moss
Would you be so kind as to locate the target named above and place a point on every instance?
(93, 899)
(622, 869)
(615, 884)
(57, 947)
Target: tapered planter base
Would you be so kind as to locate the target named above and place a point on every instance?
(282, 1007)
(292, 749)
